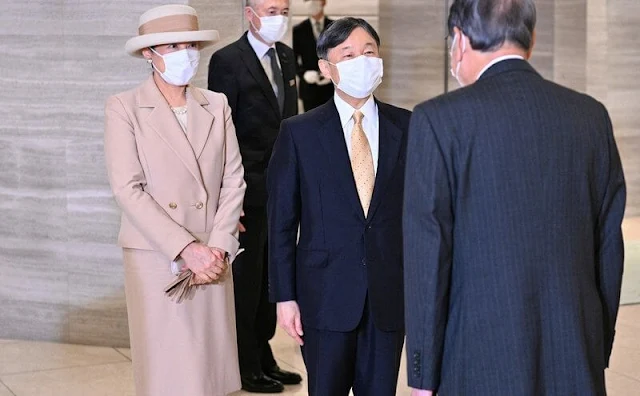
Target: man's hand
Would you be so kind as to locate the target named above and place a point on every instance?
(240, 226)
(311, 76)
(421, 392)
(289, 320)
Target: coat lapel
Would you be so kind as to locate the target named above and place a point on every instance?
(256, 70)
(162, 120)
(332, 139)
(390, 143)
(199, 121)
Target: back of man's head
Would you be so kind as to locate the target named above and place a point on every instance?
(491, 23)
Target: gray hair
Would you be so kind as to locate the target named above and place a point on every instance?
(491, 23)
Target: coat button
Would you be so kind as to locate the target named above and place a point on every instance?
(173, 205)
(199, 205)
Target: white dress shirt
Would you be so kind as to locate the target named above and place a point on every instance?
(499, 59)
(370, 124)
(261, 49)
(317, 26)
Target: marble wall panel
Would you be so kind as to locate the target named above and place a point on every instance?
(413, 35)
(99, 18)
(570, 44)
(597, 60)
(544, 48)
(39, 18)
(33, 289)
(624, 60)
(32, 90)
(97, 304)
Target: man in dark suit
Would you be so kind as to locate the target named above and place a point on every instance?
(514, 198)
(315, 90)
(257, 74)
(337, 175)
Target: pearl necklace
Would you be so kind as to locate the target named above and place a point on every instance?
(179, 110)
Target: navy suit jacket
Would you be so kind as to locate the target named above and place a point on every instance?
(513, 247)
(342, 257)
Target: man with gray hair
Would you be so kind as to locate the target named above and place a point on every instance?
(513, 203)
(257, 73)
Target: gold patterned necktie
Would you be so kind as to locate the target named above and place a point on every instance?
(362, 162)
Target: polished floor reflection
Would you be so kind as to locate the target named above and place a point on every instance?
(47, 369)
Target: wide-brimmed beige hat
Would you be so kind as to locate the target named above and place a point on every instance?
(169, 24)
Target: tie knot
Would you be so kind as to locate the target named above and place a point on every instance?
(271, 52)
(357, 117)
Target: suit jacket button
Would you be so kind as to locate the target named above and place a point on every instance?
(173, 205)
(199, 205)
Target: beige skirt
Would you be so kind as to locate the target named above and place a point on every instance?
(186, 349)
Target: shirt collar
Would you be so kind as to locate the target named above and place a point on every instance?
(497, 60)
(346, 111)
(314, 21)
(258, 46)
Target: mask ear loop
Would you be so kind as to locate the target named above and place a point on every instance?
(456, 74)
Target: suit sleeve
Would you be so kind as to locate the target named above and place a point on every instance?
(610, 249)
(283, 212)
(427, 229)
(225, 223)
(128, 182)
(222, 79)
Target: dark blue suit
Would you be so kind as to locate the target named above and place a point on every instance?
(346, 271)
(513, 248)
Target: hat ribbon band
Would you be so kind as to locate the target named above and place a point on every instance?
(172, 23)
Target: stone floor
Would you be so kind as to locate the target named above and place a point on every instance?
(46, 369)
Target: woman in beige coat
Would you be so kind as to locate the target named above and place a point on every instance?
(176, 173)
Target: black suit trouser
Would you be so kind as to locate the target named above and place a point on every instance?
(255, 315)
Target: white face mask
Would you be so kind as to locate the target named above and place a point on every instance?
(456, 73)
(360, 76)
(179, 66)
(314, 7)
(272, 28)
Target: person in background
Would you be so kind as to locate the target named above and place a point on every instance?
(257, 74)
(337, 175)
(175, 170)
(513, 204)
(315, 89)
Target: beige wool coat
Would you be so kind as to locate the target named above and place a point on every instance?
(174, 188)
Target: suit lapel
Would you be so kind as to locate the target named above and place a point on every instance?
(332, 140)
(309, 30)
(256, 70)
(199, 121)
(390, 137)
(162, 120)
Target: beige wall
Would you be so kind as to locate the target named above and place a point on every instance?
(60, 271)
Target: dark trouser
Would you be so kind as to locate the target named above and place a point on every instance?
(366, 359)
(255, 315)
